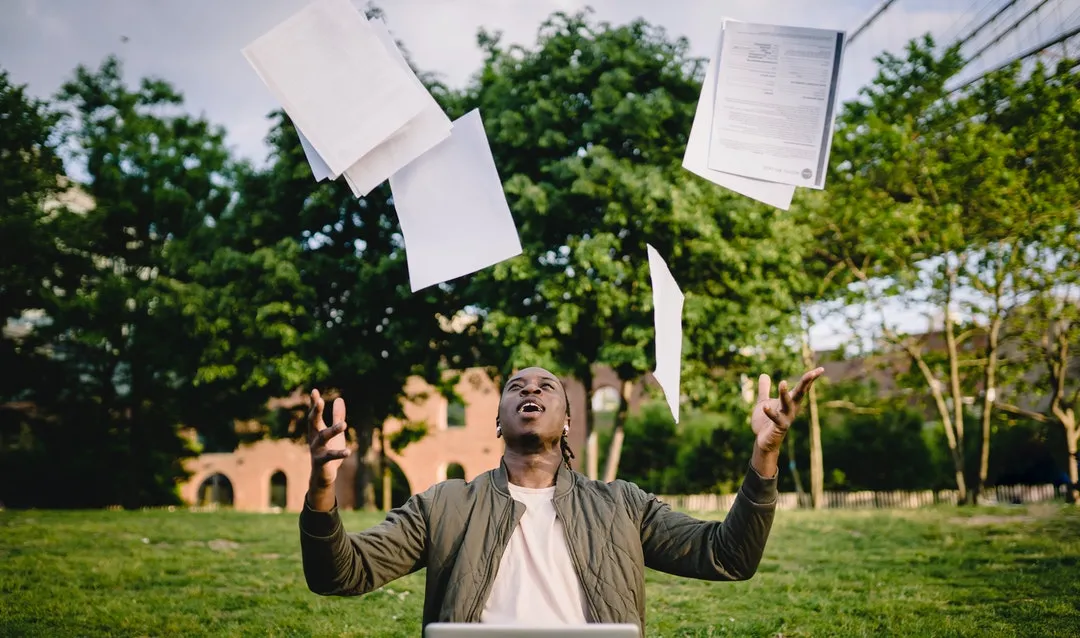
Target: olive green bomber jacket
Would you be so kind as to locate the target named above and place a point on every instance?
(458, 531)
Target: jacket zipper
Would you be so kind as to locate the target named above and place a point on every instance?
(492, 564)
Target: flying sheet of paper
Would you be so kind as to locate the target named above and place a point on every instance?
(696, 159)
(667, 319)
(775, 102)
(319, 169)
(452, 208)
(426, 130)
(334, 78)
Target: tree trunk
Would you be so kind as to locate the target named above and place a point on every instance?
(946, 420)
(955, 391)
(954, 377)
(1072, 434)
(794, 467)
(611, 469)
(1057, 359)
(817, 462)
(989, 394)
(384, 472)
(368, 458)
(592, 454)
(592, 441)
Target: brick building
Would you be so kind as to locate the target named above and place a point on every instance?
(273, 474)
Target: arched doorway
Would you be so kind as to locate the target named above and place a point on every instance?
(455, 471)
(216, 489)
(279, 490)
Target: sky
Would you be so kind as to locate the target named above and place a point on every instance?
(196, 44)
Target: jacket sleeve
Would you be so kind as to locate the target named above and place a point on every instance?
(337, 563)
(678, 544)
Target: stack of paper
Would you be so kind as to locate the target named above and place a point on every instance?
(362, 113)
(764, 120)
(359, 109)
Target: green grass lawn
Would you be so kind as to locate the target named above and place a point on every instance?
(936, 572)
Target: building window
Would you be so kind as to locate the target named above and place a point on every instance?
(279, 490)
(605, 403)
(455, 414)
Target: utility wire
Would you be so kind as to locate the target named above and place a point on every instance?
(882, 6)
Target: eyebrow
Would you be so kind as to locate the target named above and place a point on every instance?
(519, 379)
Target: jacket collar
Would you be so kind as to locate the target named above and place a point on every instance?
(564, 479)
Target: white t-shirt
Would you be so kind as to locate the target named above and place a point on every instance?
(536, 584)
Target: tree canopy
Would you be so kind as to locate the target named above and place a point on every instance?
(158, 290)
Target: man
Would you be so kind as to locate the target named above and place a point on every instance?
(533, 542)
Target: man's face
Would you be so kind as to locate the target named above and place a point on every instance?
(533, 406)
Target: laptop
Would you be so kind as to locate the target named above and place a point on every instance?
(460, 630)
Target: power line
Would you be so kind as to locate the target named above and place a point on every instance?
(1007, 31)
(1022, 56)
(955, 28)
(1005, 7)
(882, 6)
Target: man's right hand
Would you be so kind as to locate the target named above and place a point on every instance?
(328, 450)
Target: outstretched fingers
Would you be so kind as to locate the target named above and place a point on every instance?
(805, 382)
(769, 408)
(339, 411)
(326, 434)
(329, 454)
(788, 405)
(315, 415)
(764, 386)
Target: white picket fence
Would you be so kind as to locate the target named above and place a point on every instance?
(1000, 495)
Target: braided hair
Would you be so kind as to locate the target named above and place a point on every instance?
(564, 440)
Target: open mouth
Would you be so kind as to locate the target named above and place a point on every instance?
(529, 407)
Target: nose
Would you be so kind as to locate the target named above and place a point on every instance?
(530, 388)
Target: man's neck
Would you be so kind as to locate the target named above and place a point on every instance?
(533, 470)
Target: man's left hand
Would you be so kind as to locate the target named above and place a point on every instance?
(771, 417)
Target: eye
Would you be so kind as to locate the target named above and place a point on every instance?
(549, 386)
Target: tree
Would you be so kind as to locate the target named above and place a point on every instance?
(588, 129)
(868, 229)
(35, 269)
(86, 385)
(163, 326)
(928, 172)
(30, 180)
(1037, 112)
(826, 280)
(31, 255)
(1048, 343)
(703, 453)
(981, 185)
(368, 333)
(1029, 226)
(357, 330)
